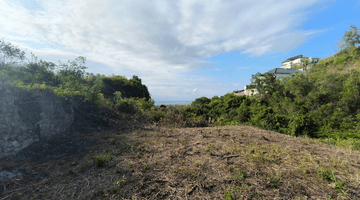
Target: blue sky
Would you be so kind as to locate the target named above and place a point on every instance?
(182, 50)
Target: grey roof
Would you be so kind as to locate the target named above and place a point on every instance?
(283, 71)
(295, 57)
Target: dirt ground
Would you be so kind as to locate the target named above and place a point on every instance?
(133, 160)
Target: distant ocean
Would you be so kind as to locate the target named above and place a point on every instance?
(167, 103)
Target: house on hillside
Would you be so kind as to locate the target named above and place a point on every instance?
(279, 73)
(247, 91)
(284, 72)
(288, 63)
(239, 93)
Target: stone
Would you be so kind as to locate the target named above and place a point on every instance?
(30, 116)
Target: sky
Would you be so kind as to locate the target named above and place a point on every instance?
(181, 50)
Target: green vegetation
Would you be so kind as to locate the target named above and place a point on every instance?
(351, 38)
(70, 81)
(321, 105)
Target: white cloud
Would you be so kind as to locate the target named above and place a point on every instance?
(160, 41)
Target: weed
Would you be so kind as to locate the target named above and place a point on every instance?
(176, 172)
(273, 181)
(239, 175)
(146, 167)
(183, 141)
(340, 186)
(231, 194)
(326, 174)
(112, 141)
(72, 171)
(210, 153)
(101, 161)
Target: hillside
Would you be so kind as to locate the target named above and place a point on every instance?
(136, 160)
(297, 140)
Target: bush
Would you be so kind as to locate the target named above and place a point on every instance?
(199, 102)
(144, 105)
(342, 59)
(355, 52)
(303, 125)
(157, 116)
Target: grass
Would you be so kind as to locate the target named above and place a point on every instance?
(229, 162)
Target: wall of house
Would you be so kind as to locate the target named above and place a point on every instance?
(239, 93)
(281, 76)
(248, 92)
(30, 116)
(293, 62)
(297, 61)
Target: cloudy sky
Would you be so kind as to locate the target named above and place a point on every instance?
(181, 49)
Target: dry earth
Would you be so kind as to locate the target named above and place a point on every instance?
(143, 161)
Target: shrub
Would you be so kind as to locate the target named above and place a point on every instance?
(157, 116)
(303, 125)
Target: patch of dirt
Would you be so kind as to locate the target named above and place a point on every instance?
(89, 122)
(134, 160)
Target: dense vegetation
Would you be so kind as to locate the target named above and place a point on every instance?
(71, 81)
(321, 103)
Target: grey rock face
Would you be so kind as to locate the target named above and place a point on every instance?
(30, 116)
(38, 126)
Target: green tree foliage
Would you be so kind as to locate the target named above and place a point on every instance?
(10, 52)
(70, 80)
(351, 38)
(132, 88)
(200, 102)
(265, 84)
(350, 94)
(323, 103)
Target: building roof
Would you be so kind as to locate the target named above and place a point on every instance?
(283, 71)
(295, 57)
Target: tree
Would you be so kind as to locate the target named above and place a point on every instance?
(264, 83)
(351, 38)
(11, 52)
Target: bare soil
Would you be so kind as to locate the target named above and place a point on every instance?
(136, 160)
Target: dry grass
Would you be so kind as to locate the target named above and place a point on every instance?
(143, 161)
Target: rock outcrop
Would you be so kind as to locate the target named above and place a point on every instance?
(30, 116)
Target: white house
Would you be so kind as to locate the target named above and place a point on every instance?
(284, 71)
(239, 93)
(279, 73)
(297, 60)
(249, 90)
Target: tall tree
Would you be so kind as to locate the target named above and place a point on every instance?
(351, 38)
(264, 83)
(10, 52)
